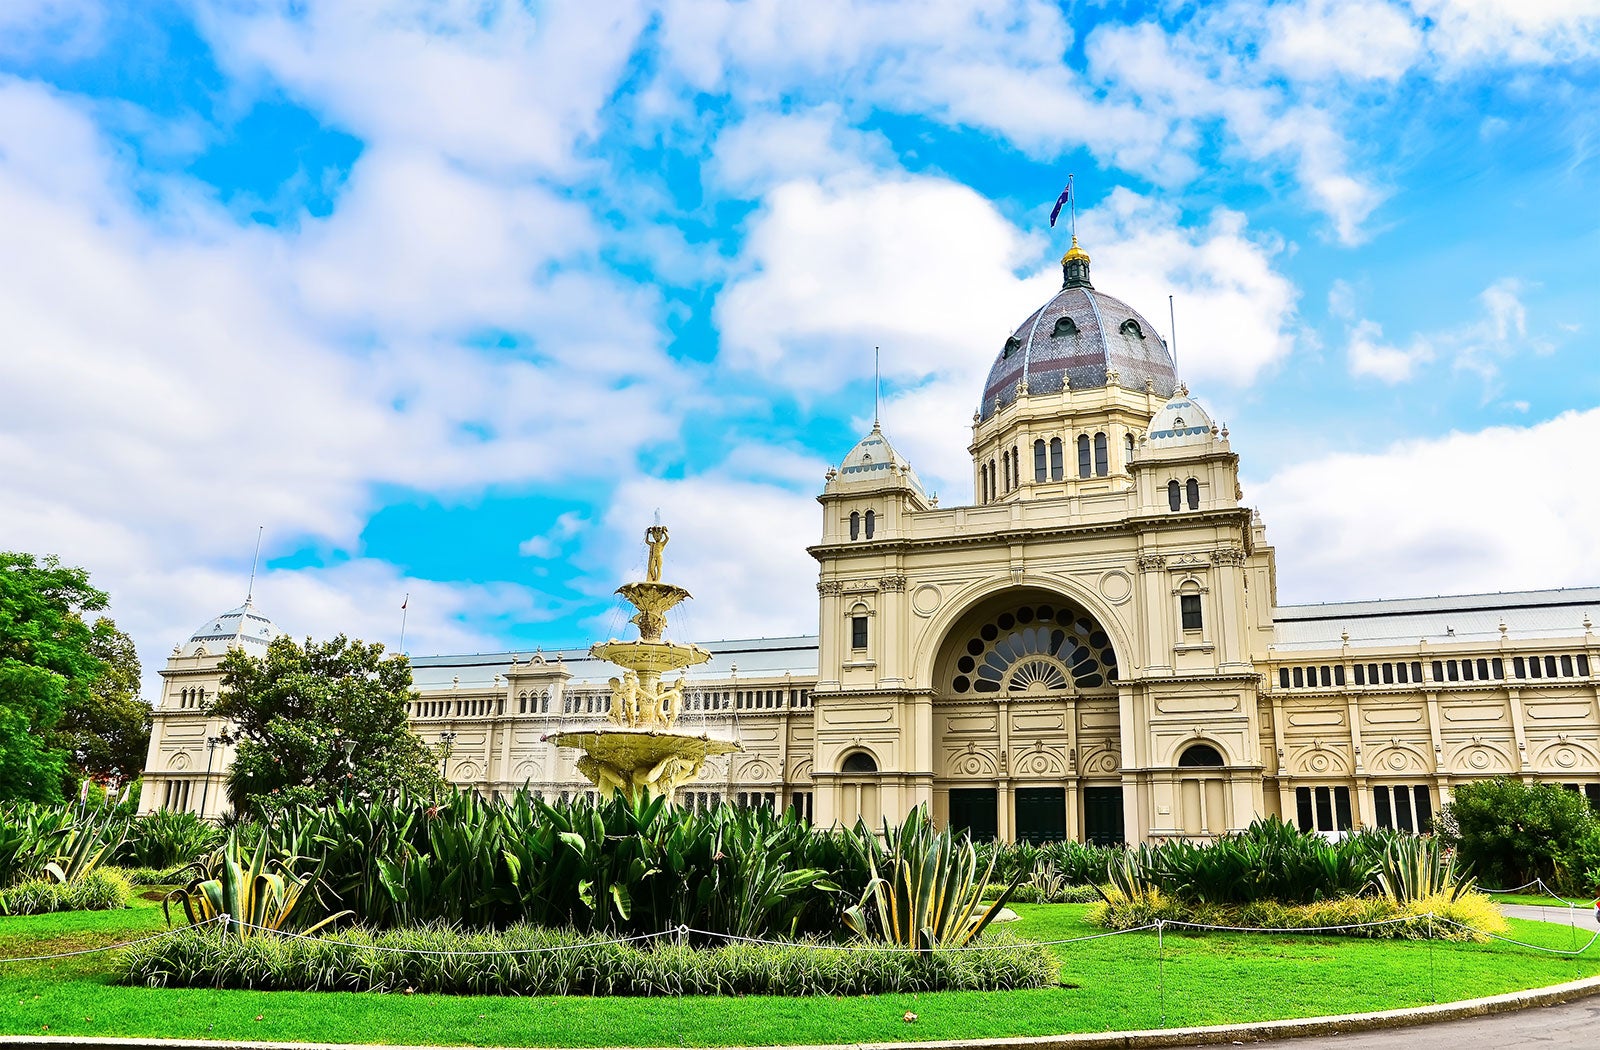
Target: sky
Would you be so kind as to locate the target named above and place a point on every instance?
(450, 299)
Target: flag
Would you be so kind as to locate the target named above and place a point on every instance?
(1061, 202)
(406, 602)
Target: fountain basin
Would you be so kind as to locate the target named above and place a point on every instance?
(650, 657)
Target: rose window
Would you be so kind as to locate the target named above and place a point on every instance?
(1037, 648)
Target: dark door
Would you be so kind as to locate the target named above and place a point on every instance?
(975, 810)
(1041, 814)
(1102, 816)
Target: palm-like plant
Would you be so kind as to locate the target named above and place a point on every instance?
(925, 889)
(1412, 868)
(252, 894)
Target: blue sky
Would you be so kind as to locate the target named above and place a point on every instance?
(452, 297)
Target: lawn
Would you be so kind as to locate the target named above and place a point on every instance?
(1540, 900)
(1114, 983)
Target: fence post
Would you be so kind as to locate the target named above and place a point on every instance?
(1161, 968)
(1433, 984)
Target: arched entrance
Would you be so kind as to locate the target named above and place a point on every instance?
(1027, 739)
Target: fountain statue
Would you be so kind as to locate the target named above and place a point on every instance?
(639, 751)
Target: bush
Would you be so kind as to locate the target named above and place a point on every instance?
(167, 839)
(152, 876)
(200, 958)
(1509, 833)
(98, 890)
(1475, 911)
(1030, 893)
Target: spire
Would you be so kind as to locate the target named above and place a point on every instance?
(1075, 267)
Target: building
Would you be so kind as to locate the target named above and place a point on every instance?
(1092, 649)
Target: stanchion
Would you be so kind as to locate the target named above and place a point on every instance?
(1161, 968)
(1433, 983)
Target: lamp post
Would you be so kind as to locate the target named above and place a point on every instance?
(446, 743)
(211, 749)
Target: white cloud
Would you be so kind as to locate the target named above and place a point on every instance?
(1538, 32)
(1369, 355)
(1362, 39)
(1498, 509)
(767, 148)
(550, 543)
(68, 29)
(489, 83)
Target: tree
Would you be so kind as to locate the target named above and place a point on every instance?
(106, 734)
(318, 721)
(1511, 833)
(47, 664)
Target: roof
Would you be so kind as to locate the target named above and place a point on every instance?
(754, 657)
(1439, 620)
(874, 459)
(244, 627)
(1081, 335)
(1181, 421)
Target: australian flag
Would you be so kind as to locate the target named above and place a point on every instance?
(1061, 202)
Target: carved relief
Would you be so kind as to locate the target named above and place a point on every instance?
(756, 768)
(1100, 760)
(970, 763)
(1151, 562)
(826, 588)
(925, 600)
(1565, 755)
(1398, 758)
(1228, 555)
(1318, 759)
(1479, 755)
(893, 584)
(1040, 760)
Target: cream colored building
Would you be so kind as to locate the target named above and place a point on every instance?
(1092, 649)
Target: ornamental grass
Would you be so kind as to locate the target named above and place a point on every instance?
(1464, 917)
(527, 960)
(99, 890)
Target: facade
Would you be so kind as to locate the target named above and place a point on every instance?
(1092, 649)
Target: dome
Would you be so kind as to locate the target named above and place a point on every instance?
(874, 459)
(1181, 421)
(1081, 335)
(244, 627)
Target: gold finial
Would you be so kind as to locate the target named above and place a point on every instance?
(1074, 252)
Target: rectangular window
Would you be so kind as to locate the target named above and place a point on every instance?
(1499, 666)
(1518, 667)
(1380, 801)
(858, 632)
(1438, 670)
(1303, 812)
(1483, 670)
(1401, 674)
(1424, 807)
(1388, 674)
(1190, 606)
(1533, 667)
(1361, 674)
(1299, 677)
(1038, 461)
(1324, 809)
(1566, 667)
(1416, 670)
(1084, 470)
(1549, 667)
(1338, 674)
(1583, 665)
(1466, 670)
(1283, 677)
(1402, 810)
(1341, 808)
(1327, 676)
(1056, 469)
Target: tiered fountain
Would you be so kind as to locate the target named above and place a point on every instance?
(639, 752)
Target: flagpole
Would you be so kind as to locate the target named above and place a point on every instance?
(877, 387)
(404, 609)
(1072, 203)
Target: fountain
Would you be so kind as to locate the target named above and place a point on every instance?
(639, 752)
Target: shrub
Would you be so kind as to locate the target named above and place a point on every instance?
(167, 839)
(99, 890)
(356, 962)
(1474, 911)
(1419, 868)
(1029, 893)
(1509, 833)
(152, 876)
(262, 901)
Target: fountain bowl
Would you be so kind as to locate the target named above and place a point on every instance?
(654, 657)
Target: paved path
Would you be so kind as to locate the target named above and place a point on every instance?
(1570, 1026)
(1560, 916)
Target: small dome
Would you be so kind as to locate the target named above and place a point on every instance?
(1081, 336)
(874, 459)
(1181, 421)
(243, 627)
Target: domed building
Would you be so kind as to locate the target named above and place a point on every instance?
(1090, 649)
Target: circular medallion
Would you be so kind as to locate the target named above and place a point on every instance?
(1397, 760)
(1116, 586)
(925, 599)
(1566, 758)
(1318, 763)
(1478, 759)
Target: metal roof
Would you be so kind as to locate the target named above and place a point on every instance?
(1555, 614)
(754, 658)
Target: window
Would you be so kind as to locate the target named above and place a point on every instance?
(1174, 495)
(994, 491)
(1193, 489)
(858, 632)
(1005, 469)
(1127, 451)
(1056, 451)
(1084, 470)
(1016, 468)
(1408, 807)
(1283, 678)
(1012, 346)
(1131, 327)
(1189, 604)
(858, 762)
(855, 525)
(1064, 326)
(1200, 755)
(1038, 460)
(1323, 808)
(872, 523)
(1102, 465)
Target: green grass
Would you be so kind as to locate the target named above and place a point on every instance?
(1539, 899)
(1115, 984)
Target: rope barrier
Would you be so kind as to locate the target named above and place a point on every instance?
(1525, 944)
(897, 948)
(1290, 929)
(114, 947)
(1543, 885)
(463, 952)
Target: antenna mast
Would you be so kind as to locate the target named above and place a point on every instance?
(1172, 317)
(877, 386)
(250, 592)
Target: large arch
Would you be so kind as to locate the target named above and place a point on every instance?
(1025, 641)
(971, 602)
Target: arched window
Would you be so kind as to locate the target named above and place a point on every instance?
(1056, 468)
(1064, 326)
(872, 523)
(858, 762)
(994, 490)
(1194, 493)
(1084, 470)
(1174, 494)
(855, 523)
(1127, 452)
(1102, 465)
(1038, 460)
(1131, 327)
(1200, 755)
(1016, 468)
(1005, 469)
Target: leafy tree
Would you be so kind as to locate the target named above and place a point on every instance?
(106, 732)
(318, 721)
(1511, 833)
(48, 664)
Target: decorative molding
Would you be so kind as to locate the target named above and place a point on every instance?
(827, 588)
(895, 584)
(1228, 555)
(1149, 562)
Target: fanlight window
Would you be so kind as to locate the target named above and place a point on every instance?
(1200, 755)
(1036, 648)
(1131, 327)
(1064, 326)
(858, 762)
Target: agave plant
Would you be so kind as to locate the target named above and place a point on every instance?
(925, 889)
(85, 845)
(257, 899)
(1414, 867)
